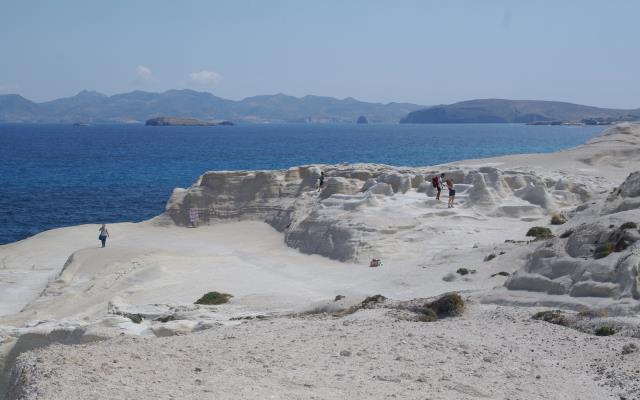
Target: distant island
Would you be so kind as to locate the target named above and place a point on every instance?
(173, 121)
(518, 111)
(362, 120)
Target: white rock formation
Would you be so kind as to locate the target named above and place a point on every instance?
(596, 255)
(337, 221)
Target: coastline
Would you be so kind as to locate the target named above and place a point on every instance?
(283, 249)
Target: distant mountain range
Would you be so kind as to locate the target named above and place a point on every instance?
(514, 111)
(139, 106)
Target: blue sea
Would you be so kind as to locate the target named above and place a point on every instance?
(58, 175)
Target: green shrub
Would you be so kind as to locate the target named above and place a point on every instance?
(465, 271)
(428, 315)
(557, 219)
(604, 250)
(462, 271)
(588, 313)
(628, 225)
(501, 273)
(552, 316)
(378, 298)
(214, 298)
(540, 233)
(135, 318)
(489, 257)
(605, 331)
(448, 305)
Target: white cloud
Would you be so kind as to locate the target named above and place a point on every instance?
(144, 73)
(205, 77)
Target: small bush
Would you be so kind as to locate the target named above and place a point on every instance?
(604, 250)
(378, 298)
(588, 313)
(605, 331)
(566, 234)
(428, 315)
(501, 273)
(135, 318)
(465, 271)
(449, 305)
(214, 298)
(540, 233)
(489, 257)
(628, 225)
(557, 219)
(553, 316)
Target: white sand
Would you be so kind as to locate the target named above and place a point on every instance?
(59, 287)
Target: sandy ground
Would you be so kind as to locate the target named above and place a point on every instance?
(489, 353)
(148, 264)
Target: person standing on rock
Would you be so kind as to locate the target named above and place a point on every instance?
(437, 183)
(452, 193)
(104, 234)
(321, 181)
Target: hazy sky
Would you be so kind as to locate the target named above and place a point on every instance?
(427, 52)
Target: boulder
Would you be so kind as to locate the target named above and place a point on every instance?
(337, 185)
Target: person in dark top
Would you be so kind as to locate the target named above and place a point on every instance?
(439, 185)
(452, 193)
(104, 234)
(321, 181)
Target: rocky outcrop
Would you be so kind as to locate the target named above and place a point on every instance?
(345, 220)
(626, 197)
(513, 111)
(259, 195)
(597, 255)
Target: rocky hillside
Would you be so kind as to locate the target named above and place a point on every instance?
(139, 106)
(513, 111)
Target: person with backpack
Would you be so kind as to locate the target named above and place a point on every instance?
(436, 182)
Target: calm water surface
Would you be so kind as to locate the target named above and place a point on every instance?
(57, 175)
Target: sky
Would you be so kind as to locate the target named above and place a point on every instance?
(425, 52)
